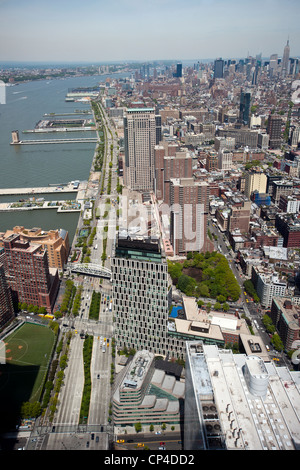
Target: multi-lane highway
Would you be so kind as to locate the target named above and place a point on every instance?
(66, 431)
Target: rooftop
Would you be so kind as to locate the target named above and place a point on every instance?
(249, 421)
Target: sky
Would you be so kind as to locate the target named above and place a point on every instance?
(96, 31)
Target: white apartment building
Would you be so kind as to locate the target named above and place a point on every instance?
(225, 160)
(267, 285)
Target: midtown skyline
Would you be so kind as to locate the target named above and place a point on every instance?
(128, 30)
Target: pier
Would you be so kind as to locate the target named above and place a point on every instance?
(55, 141)
(42, 190)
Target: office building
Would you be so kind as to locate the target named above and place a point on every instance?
(28, 273)
(267, 285)
(178, 73)
(189, 203)
(225, 160)
(289, 227)
(178, 165)
(55, 242)
(218, 68)
(285, 59)
(212, 161)
(239, 402)
(255, 180)
(141, 134)
(6, 305)
(140, 294)
(245, 102)
(146, 395)
(285, 317)
(274, 131)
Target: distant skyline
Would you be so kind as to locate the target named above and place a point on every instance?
(137, 30)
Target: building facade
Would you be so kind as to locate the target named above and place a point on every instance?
(28, 273)
(189, 204)
(141, 134)
(55, 242)
(140, 295)
(6, 305)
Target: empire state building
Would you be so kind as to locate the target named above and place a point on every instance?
(285, 59)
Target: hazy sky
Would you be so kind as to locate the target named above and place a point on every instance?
(116, 30)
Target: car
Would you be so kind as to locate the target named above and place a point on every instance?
(140, 444)
(158, 432)
(162, 443)
(92, 436)
(120, 441)
(130, 440)
(87, 444)
(162, 448)
(98, 376)
(97, 438)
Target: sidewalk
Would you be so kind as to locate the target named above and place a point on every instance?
(118, 430)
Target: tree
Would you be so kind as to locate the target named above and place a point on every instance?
(138, 427)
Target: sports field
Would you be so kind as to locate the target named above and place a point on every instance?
(28, 350)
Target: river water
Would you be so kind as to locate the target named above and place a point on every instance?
(42, 164)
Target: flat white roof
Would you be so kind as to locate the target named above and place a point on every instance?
(248, 421)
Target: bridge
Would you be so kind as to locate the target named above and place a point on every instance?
(90, 269)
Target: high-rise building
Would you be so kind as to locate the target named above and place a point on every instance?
(274, 131)
(285, 59)
(140, 137)
(28, 273)
(56, 242)
(225, 160)
(273, 64)
(255, 180)
(178, 73)
(6, 306)
(245, 101)
(140, 294)
(218, 68)
(167, 167)
(189, 201)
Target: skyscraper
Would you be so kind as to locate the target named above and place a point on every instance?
(188, 216)
(178, 72)
(28, 273)
(245, 100)
(6, 306)
(274, 131)
(140, 137)
(285, 59)
(140, 294)
(218, 68)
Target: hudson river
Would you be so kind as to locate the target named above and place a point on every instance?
(44, 164)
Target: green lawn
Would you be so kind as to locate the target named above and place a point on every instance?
(28, 350)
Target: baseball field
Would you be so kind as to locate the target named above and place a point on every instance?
(28, 351)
